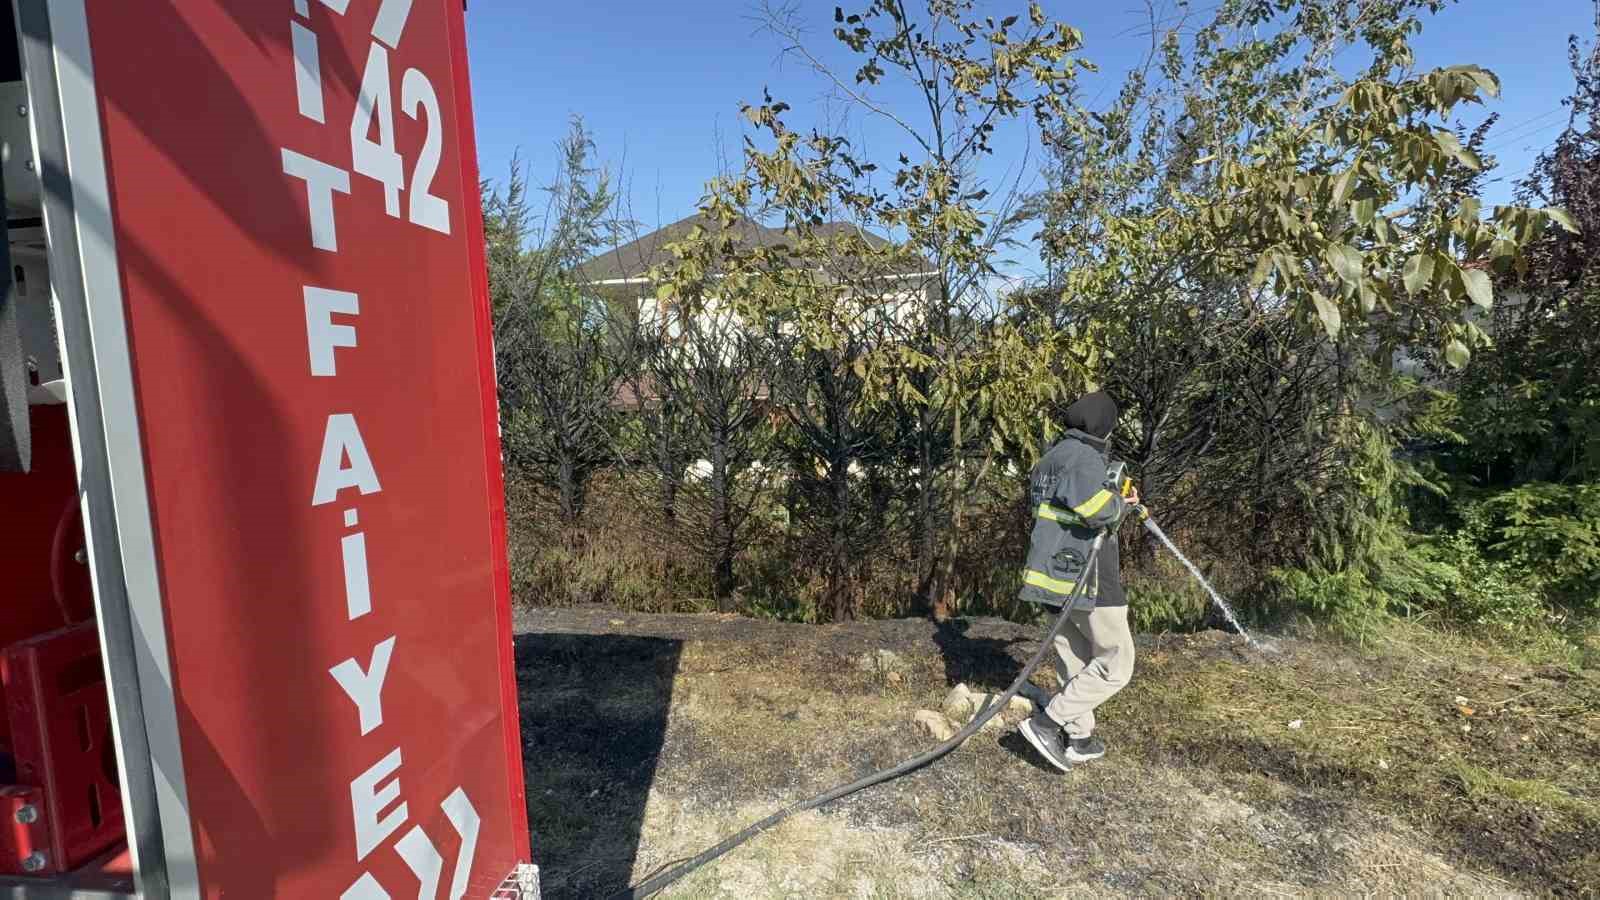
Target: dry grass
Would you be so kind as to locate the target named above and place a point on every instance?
(647, 748)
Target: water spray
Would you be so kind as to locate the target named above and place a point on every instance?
(1118, 479)
(1216, 598)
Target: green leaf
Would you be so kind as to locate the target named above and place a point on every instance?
(1451, 145)
(1328, 312)
(1486, 80)
(1479, 287)
(1346, 262)
(1563, 218)
(1344, 184)
(1285, 263)
(1286, 218)
(1364, 211)
(1418, 273)
(1369, 297)
(1456, 354)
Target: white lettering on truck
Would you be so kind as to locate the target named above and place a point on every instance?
(322, 333)
(377, 811)
(368, 801)
(342, 441)
(365, 688)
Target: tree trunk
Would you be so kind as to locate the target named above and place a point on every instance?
(667, 465)
(722, 579)
(669, 501)
(944, 601)
(840, 599)
(925, 538)
(571, 491)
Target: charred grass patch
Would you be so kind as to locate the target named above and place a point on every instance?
(1327, 769)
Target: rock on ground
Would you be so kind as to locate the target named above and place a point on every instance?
(963, 703)
(934, 724)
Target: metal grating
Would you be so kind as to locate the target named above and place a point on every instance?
(521, 884)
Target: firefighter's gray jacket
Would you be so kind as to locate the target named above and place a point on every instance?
(1071, 504)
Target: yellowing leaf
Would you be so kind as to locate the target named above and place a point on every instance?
(1369, 297)
(1418, 273)
(1346, 262)
(1328, 312)
(1479, 288)
(1562, 218)
(1263, 270)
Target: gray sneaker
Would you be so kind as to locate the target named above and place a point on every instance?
(1045, 736)
(1084, 749)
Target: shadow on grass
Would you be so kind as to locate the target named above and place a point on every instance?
(977, 661)
(594, 717)
(986, 663)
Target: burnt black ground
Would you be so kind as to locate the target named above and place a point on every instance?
(648, 736)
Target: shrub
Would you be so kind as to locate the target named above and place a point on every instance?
(1161, 604)
(1550, 535)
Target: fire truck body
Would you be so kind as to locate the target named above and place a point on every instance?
(254, 606)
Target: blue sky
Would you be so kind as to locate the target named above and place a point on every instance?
(660, 83)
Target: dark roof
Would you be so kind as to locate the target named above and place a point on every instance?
(635, 258)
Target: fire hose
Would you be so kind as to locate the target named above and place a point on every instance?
(682, 868)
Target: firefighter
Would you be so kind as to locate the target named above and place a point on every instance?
(1072, 503)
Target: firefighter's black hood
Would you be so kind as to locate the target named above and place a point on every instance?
(1093, 414)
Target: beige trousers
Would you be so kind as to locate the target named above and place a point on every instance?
(1094, 660)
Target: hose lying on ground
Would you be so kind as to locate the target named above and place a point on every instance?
(659, 881)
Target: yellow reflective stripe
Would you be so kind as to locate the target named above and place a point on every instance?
(1093, 505)
(1041, 580)
(1055, 515)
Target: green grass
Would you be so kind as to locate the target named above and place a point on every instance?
(1480, 782)
(1507, 776)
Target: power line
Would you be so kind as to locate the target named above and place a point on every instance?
(1540, 117)
(1512, 139)
(1514, 177)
